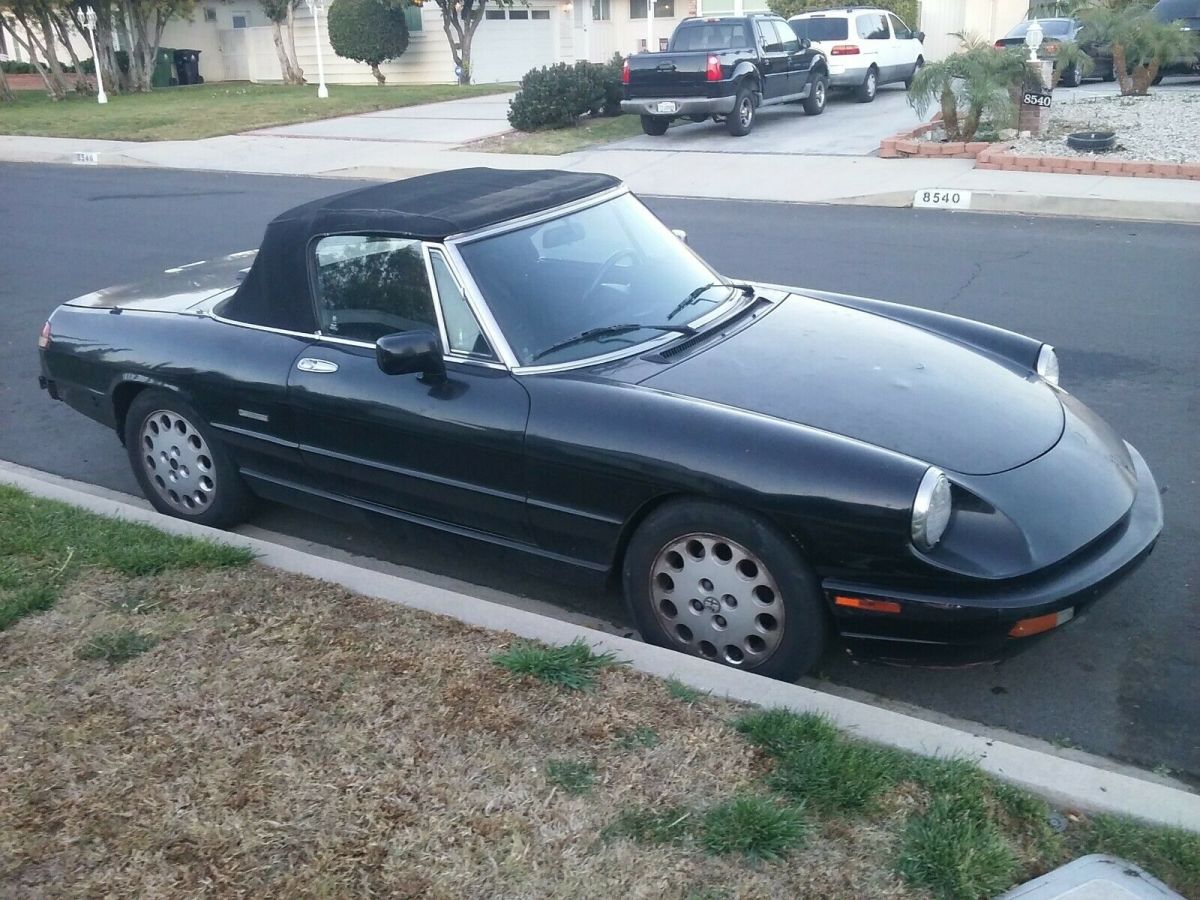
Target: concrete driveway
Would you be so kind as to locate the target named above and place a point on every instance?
(846, 128)
(451, 122)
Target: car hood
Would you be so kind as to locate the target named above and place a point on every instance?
(879, 381)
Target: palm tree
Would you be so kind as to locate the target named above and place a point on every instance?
(1140, 43)
(1069, 57)
(977, 81)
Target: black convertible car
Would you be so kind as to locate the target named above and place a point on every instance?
(533, 359)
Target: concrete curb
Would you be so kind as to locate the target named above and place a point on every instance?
(1062, 781)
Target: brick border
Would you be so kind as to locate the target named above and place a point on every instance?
(907, 145)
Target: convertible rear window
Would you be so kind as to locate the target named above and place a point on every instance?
(369, 286)
(711, 36)
(835, 28)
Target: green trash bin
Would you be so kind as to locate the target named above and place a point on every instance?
(164, 68)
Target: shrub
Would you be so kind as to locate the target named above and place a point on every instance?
(555, 96)
(12, 67)
(368, 31)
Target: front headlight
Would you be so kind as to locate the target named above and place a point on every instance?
(931, 509)
(1047, 364)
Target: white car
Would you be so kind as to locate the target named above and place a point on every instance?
(865, 46)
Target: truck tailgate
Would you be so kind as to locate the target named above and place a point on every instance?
(668, 75)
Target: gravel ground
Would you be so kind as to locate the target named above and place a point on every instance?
(1163, 127)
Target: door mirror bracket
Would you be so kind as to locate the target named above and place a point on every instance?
(409, 352)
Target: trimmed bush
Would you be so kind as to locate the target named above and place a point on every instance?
(555, 96)
(368, 31)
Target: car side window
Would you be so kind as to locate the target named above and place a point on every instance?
(787, 37)
(370, 285)
(767, 36)
(900, 29)
(462, 328)
(873, 27)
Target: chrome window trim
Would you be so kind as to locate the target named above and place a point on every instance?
(491, 359)
(483, 312)
(554, 212)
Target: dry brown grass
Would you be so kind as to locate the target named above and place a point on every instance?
(287, 738)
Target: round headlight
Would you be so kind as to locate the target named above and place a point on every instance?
(931, 509)
(1047, 364)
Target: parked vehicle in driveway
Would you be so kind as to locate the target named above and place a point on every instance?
(1056, 32)
(865, 46)
(724, 68)
(532, 358)
(1187, 14)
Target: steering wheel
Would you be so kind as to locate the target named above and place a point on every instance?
(607, 266)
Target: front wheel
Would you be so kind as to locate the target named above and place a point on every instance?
(814, 104)
(180, 466)
(741, 120)
(725, 585)
(655, 125)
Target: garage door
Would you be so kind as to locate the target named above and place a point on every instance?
(510, 42)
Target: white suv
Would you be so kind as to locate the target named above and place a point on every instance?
(866, 47)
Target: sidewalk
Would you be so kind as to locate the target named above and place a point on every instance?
(395, 144)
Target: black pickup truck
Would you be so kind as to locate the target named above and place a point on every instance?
(725, 68)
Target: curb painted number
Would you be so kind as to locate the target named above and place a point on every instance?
(86, 158)
(942, 199)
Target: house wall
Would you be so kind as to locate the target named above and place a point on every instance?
(988, 19)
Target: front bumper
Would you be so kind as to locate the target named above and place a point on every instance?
(684, 106)
(974, 627)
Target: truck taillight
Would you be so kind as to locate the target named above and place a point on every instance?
(713, 71)
(845, 50)
(44, 337)
(625, 73)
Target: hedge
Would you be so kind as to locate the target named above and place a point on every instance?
(556, 96)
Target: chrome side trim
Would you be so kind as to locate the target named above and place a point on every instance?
(437, 301)
(451, 353)
(483, 313)
(256, 435)
(256, 416)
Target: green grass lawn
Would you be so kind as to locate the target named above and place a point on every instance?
(207, 110)
(556, 141)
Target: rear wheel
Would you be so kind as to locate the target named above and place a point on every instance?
(866, 91)
(179, 464)
(1158, 78)
(655, 125)
(1110, 74)
(814, 104)
(1073, 77)
(725, 585)
(908, 82)
(741, 120)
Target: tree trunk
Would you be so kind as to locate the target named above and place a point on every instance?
(971, 125)
(1120, 70)
(82, 84)
(290, 46)
(285, 64)
(33, 58)
(6, 94)
(950, 113)
(1143, 77)
(57, 76)
(379, 79)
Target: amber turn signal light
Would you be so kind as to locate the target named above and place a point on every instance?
(866, 603)
(1038, 624)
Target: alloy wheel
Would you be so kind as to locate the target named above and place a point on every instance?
(177, 461)
(746, 112)
(717, 600)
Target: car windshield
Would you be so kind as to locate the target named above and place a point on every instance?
(1171, 10)
(613, 266)
(711, 36)
(1050, 28)
(821, 29)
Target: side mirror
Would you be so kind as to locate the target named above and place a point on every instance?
(410, 351)
(921, 36)
(805, 43)
(680, 233)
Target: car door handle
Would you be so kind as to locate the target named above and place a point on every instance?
(319, 366)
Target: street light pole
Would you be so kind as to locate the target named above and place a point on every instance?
(89, 18)
(316, 6)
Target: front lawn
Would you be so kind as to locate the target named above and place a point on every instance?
(175, 722)
(589, 132)
(207, 110)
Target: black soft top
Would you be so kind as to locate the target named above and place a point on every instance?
(275, 292)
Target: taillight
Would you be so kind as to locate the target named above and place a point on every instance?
(999, 45)
(713, 71)
(625, 73)
(44, 337)
(845, 50)
(1050, 47)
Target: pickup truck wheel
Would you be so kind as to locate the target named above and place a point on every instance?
(655, 125)
(741, 120)
(814, 105)
(866, 91)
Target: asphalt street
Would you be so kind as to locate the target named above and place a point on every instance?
(1117, 299)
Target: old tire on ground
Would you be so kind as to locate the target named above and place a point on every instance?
(726, 585)
(181, 467)
(1092, 141)
(741, 120)
(814, 104)
(655, 125)
(866, 91)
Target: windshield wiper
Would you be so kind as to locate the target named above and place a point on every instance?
(608, 331)
(695, 295)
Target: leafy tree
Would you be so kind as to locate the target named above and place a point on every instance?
(147, 19)
(460, 18)
(368, 31)
(1140, 43)
(905, 9)
(975, 83)
(36, 35)
(283, 12)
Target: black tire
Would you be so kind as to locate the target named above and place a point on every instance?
(1110, 74)
(1158, 78)
(655, 125)
(793, 618)
(741, 120)
(908, 82)
(866, 91)
(814, 104)
(1072, 78)
(183, 437)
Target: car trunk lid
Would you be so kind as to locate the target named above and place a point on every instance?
(177, 289)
